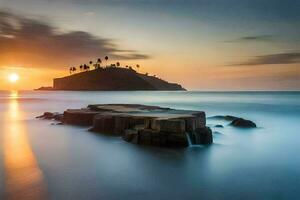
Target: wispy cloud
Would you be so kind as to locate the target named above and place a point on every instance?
(40, 44)
(281, 58)
(255, 38)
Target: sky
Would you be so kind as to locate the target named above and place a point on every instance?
(201, 44)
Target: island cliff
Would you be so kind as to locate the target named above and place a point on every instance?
(112, 79)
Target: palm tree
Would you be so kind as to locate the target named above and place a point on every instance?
(80, 67)
(137, 66)
(74, 69)
(99, 61)
(91, 62)
(84, 67)
(106, 58)
(71, 69)
(118, 64)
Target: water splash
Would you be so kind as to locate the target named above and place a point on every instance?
(189, 139)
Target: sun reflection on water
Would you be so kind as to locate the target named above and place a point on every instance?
(23, 177)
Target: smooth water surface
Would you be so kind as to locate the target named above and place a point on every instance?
(43, 161)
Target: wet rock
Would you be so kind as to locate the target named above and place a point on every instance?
(203, 136)
(141, 124)
(170, 125)
(131, 135)
(103, 124)
(200, 118)
(243, 123)
(49, 115)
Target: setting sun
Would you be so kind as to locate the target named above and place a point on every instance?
(13, 77)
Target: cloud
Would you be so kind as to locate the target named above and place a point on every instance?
(281, 58)
(254, 38)
(35, 43)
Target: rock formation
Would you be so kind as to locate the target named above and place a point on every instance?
(140, 124)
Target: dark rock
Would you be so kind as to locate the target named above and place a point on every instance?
(141, 124)
(131, 135)
(240, 122)
(82, 117)
(217, 132)
(104, 124)
(223, 117)
(219, 126)
(170, 125)
(49, 115)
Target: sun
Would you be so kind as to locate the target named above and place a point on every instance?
(13, 77)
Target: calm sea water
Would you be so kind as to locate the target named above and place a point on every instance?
(40, 160)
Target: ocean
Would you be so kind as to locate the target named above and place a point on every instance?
(44, 161)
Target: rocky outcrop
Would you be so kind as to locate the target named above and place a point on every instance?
(243, 123)
(235, 121)
(52, 115)
(147, 125)
(224, 117)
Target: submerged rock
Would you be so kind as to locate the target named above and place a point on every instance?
(51, 115)
(219, 126)
(240, 122)
(224, 117)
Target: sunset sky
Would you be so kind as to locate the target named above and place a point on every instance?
(201, 44)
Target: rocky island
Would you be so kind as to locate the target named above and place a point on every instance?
(141, 124)
(111, 79)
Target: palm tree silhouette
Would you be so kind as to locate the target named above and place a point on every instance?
(74, 69)
(99, 61)
(106, 58)
(71, 69)
(118, 64)
(81, 67)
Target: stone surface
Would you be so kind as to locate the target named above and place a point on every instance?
(203, 136)
(82, 117)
